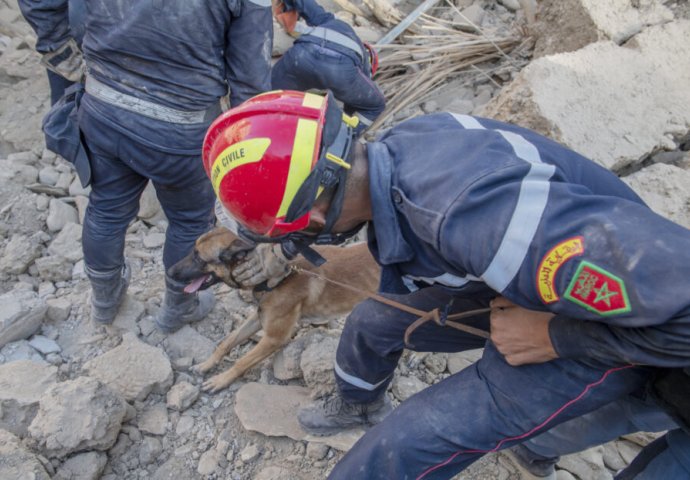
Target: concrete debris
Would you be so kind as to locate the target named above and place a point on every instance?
(610, 80)
(77, 415)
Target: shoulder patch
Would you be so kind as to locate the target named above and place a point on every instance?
(552, 261)
(597, 290)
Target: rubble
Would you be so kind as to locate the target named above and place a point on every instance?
(609, 80)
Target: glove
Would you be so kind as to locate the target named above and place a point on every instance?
(66, 61)
(285, 15)
(266, 263)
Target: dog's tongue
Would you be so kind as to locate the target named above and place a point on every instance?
(195, 285)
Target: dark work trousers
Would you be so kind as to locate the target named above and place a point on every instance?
(126, 151)
(308, 65)
(486, 407)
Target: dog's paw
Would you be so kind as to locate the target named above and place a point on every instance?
(216, 383)
(204, 367)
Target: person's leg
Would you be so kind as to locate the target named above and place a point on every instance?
(667, 457)
(360, 96)
(484, 408)
(632, 413)
(113, 204)
(287, 73)
(368, 352)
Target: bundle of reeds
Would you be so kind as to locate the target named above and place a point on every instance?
(412, 70)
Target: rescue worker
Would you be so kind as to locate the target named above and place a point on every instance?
(156, 73)
(62, 58)
(587, 286)
(328, 55)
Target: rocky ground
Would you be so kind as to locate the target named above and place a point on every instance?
(80, 401)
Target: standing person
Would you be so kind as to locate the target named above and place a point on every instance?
(328, 55)
(60, 50)
(156, 72)
(587, 286)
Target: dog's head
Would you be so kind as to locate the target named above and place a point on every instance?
(215, 255)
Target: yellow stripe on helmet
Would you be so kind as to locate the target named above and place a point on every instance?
(300, 161)
(312, 100)
(241, 153)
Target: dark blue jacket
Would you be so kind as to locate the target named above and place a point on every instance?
(315, 16)
(476, 204)
(181, 54)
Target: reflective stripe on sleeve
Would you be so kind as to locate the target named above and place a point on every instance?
(531, 203)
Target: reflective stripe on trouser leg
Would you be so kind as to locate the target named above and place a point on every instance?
(486, 407)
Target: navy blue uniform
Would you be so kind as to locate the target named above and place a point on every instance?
(156, 71)
(330, 56)
(469, 209)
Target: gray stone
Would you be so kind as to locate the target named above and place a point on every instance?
(582, 99)
(17, 461)
(46, 289)
(512, 5)
(286, 361)
(154, 420)
(25, 158)
(149, 450)
(60, 214)
(154, 240)
(316, 364)
(250, 453)
(58, 309)
(404, 387)
(628, 450)
(54, 268)
(134, 369)
(149, 206)
(20, 350)
(82, 203)
(461, 360)
(75, 188)
(67, 243)
(182, 395)
(20, 252)
(317, 451)
(129, 314)
(588, 464)
(568, 25)
(22, 383)
(48, 176)
(187, 342)
(208, 463)
(666, 189)
(612, 458)
(273, 472)
(76, 415)
(83, 466)
(44, 345)
(21, 314)
(272, 411)
(174, 469)
(469, 19)
(184, 425)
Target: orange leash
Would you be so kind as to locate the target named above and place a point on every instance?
(435, 314)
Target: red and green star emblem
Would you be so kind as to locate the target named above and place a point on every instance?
(597, 290)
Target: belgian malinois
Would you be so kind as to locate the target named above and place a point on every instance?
(219, 251)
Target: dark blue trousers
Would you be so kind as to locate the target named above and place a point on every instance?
(308, 65)
(486, 407)
(126, 151)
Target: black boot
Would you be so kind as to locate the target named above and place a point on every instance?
(333, 414)
(107, 292)
(181, 308)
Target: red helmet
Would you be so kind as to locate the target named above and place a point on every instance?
(262, 158)
(373, 58)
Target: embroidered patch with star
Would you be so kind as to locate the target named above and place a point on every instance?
(597, 290)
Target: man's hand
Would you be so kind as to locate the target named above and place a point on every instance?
(521, 335)
(265, 263)
(66, 61)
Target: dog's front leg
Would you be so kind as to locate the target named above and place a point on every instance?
(263, 349)
(248, 328)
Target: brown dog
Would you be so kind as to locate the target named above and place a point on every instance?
(219, 251)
